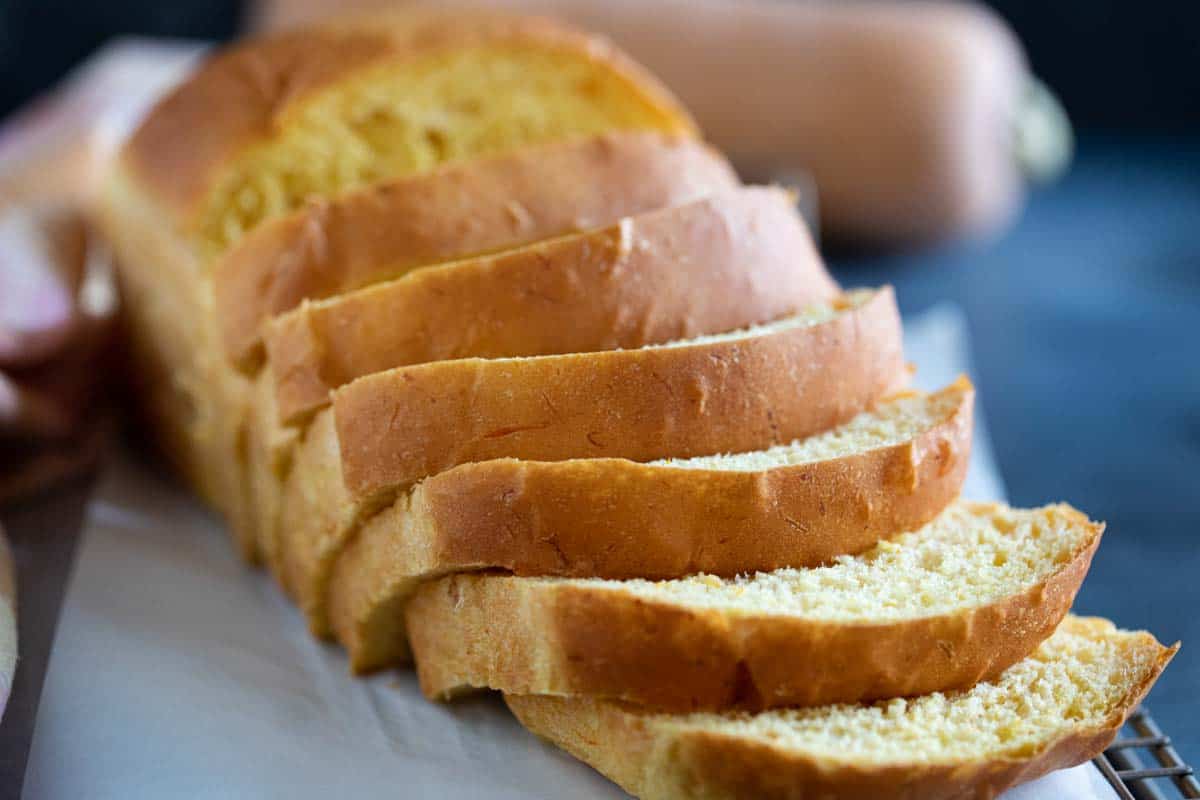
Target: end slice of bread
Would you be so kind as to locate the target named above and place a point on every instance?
(347, 103)
(730, 392)
(887, 471)
(735, 258)
(940, 608)
(1060, 707)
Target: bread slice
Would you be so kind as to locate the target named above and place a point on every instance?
(384, 230)
(751, 388)
(733, 259)
(325, 109)
(737, 391)
(1060, 707)
(886, 471)
(190, 402)
(943, 607)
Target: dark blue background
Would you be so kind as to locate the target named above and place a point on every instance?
(1085, 317)
(1118, 64)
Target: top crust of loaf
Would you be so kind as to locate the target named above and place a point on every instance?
(384, 230)
(250, 93)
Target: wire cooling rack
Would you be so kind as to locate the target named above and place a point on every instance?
(1142, 765)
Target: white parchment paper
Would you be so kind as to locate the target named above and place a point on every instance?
(179, 672)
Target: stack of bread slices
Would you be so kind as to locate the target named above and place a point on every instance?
(499, 369)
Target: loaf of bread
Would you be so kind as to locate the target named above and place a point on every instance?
(483, 351)
(887, 471)
(738, 391)
(1057, 708)
(940, 608)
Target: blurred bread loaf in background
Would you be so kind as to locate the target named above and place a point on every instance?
(917, 121)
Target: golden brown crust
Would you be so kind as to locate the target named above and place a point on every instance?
(316, 515)
(654, 759)
(613, 518)
(400, 426)
(191, 402)
(257, 85)
(384, 230)
(571, 638)
(733, 259)
(269, 449)
(725, 396)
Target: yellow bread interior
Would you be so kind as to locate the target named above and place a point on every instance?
(893, 421)
(1075, 682)
(815, 314)
(408, 118)
(1073, 679)
(970, 555)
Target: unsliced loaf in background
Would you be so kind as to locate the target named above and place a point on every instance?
(916, 121)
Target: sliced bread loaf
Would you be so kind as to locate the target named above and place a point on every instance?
(886, 471)
(940, 608)
(733, 259)
(1057, 708)
(386, 229)
(726, 393)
